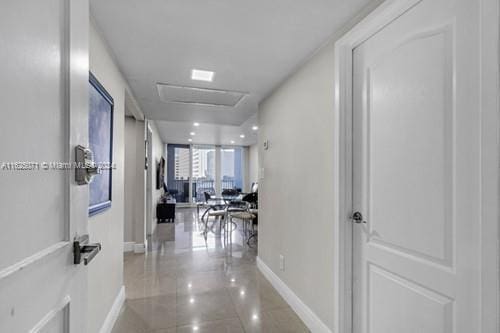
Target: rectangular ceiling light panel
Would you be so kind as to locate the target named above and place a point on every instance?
(202, 96)
(201, 75)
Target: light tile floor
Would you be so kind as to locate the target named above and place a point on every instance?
(187, 284)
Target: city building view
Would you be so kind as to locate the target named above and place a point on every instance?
(198, 166)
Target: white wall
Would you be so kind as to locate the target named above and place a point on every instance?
(253, 164)
(140, 182)
(296, 193)
(130, 178)
(134, 227)
(106, 271)
(158, 151)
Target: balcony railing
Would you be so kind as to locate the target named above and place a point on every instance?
(179, 188)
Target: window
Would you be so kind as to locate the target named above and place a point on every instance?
(178, 173)
(231, 168)
(197, 169)
(203, 171)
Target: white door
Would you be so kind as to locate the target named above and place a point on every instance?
(44, 109)
(417, 173)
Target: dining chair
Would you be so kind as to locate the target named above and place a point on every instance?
(204, 204)
(219, 215)
(246, 217)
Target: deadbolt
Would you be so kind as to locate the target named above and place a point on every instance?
(86, 168)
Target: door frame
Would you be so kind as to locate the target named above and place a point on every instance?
(490, 162)
(149, 183)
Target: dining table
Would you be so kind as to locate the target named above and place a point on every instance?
(216, 203)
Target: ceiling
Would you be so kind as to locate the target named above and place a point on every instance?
(250, 45)
(179, 132)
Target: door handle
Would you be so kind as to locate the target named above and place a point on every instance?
(357, 217)
(83, 250)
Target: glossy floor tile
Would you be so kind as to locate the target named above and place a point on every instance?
(185, 283)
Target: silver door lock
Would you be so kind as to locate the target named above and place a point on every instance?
(86, 168)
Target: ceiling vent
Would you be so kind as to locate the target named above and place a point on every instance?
(199, 96)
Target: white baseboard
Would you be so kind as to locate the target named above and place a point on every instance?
(113, 313)
(139, 248)
(310, 319)
(128, 246)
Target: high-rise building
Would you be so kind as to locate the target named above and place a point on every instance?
(203, 163)
(211, 164)
(227, 163)
(181, 163)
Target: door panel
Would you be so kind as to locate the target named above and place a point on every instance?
(400, 298)
(28, 61)
(416, 173)
(412, 130)
(43, 95)
(58, 323)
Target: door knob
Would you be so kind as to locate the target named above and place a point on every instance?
(357, 217)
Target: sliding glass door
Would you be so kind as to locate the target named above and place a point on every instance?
(193, 170)
(203, 171)
(232, 168)
(178, 172)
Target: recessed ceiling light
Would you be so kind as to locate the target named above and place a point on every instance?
(190, 140)
(232, 142)
(192, 133)
(255, 127)
(196, 124)
(242, 136)
(201, 75)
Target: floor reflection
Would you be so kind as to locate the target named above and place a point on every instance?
(186, 283)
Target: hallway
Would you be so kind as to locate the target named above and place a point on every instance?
(187, 285)
(357, 140)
